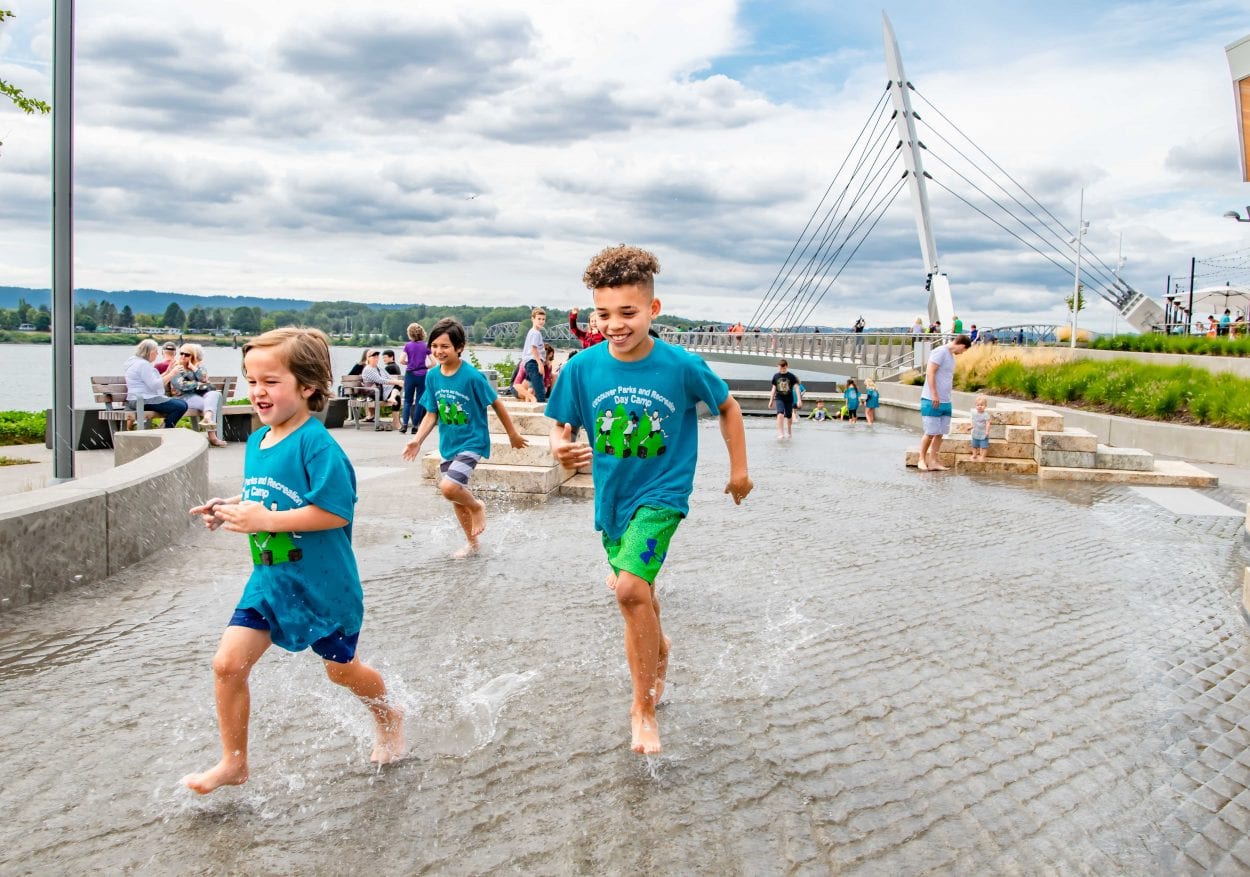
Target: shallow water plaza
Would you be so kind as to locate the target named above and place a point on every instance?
(875, 671)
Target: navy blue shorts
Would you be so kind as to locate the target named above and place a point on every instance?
(337, 647)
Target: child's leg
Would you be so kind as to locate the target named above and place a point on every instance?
(366, 683)
(240, 649)
(666, 645)
(643, 641)
(470, 512)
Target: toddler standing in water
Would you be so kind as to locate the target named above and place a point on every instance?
(980, 430)
(635, 396)
(299, 493)
(456, 398)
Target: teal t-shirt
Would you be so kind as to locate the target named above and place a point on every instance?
(852, 398)
(306, 599)
(641, 420)
(460, 402)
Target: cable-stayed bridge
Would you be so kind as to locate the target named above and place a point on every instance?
(887, 157)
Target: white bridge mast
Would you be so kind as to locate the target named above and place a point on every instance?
(940, 305)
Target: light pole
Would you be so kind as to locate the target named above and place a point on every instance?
(1081, 227)
(1233, 214)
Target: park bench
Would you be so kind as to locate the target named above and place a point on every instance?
(110, 391)
(359, 397)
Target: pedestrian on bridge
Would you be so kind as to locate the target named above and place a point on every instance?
(935, 401)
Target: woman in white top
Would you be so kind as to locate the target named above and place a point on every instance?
(190, 381)
(144, 382)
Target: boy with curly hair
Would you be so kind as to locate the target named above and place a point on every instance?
(635, 396)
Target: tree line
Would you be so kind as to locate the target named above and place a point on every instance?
(339, 319)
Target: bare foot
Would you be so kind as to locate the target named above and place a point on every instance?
(611, 582)
(225, 773)
(938, 467)
(477, 519)
(390, 745)
(646, 734)
(922, 465)
(467, 550)
(661, 670)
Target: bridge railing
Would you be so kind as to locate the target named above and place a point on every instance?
(866, 349)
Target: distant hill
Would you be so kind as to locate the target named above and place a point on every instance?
(148, 301)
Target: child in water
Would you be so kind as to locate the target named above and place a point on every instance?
(642, 483)
(456, 398)
(820, 413)
(980, 430)
(299, 492)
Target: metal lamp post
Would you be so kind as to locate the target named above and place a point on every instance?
(1081, 226)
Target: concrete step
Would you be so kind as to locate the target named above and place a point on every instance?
(527, 423)
(1047, 421)
(912, 457)
(1124, 458)
(515, 406)
(580, 486)
(1168, 473)
(507, 479)
(965, 465)
(538, 453)
(1065, 459)
(962, 444)
(1071, 439)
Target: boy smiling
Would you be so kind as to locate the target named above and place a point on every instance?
(636, 396)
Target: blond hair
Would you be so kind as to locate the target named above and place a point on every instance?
(306, 353)
(416, 332)
(196, 351)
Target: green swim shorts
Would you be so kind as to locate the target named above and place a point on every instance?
(644, 545)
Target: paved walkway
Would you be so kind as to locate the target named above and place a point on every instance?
(876, 671)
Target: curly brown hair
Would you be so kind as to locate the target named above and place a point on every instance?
(622, 266)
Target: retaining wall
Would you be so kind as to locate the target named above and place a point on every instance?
(86, 530)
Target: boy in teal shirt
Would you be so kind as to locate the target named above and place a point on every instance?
(636, 397)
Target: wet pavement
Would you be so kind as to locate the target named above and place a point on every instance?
(875, 671)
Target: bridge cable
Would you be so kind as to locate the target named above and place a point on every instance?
(834, 230)
(874, 115)
(881, 213)
(831, 254)
(821, 256)
(767, 307)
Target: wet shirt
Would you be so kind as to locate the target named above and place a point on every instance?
(460, 401)
(641, 420)
(784, 383)
(319, 593)
(851, 396)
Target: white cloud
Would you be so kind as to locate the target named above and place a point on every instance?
(482, 153)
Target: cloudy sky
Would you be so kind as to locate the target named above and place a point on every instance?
(480, 153)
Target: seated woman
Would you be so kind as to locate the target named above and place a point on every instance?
(144, 382)
(190, 382)
(374, 377)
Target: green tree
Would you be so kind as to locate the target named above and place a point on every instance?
(26, 104)
(43, 319)
(197, 319)
(1080, 299)
(245, 320)
(126, 317)
(24, 311)
(174, 316)
(107, 313)
(87, 322)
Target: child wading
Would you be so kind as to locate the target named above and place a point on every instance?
(635, 396)
(456, 398)
(299, 493)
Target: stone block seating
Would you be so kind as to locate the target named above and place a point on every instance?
(1029, 440)
(531, 471)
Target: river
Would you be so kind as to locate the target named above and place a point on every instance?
(27, 369)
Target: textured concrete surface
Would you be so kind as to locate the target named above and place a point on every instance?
(974, 676)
